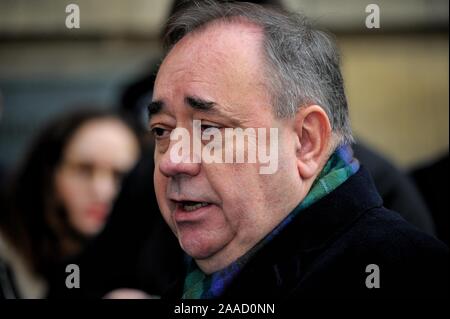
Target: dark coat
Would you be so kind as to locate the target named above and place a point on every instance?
(398, 191)
(324, 252)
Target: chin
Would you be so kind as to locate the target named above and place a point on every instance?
(92, 230)
(197, 246)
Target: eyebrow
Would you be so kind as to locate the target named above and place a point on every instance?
(199, 104)
(194, 102)
(154, 107)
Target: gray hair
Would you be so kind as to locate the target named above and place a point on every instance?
(302, 62)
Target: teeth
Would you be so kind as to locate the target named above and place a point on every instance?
(191, 207)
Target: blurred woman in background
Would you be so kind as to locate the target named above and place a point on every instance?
(63, 193)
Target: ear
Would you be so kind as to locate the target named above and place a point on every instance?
(313, 130)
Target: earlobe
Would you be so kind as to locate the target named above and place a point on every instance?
(313, 129)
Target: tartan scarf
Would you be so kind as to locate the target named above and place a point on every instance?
(339, 167)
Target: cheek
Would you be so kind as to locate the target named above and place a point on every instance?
(238, 189)
(159, 180)
(239, 209)
(160, 185)
(249, 199)
(70, 194)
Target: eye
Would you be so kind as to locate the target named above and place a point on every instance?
(160, 132)
(84, 169)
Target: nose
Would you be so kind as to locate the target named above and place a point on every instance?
(103, 186)
(171, 165)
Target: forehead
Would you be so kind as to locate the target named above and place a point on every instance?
(218, 42)
(222, 56)
(102, 139)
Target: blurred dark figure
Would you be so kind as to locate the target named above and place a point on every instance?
(7, 289)
(396, 188)
(62, 195)
(432, 181)
(2, 168)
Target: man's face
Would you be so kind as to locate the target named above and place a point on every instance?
(220, 67)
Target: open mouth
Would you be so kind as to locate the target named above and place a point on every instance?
(190, 206)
